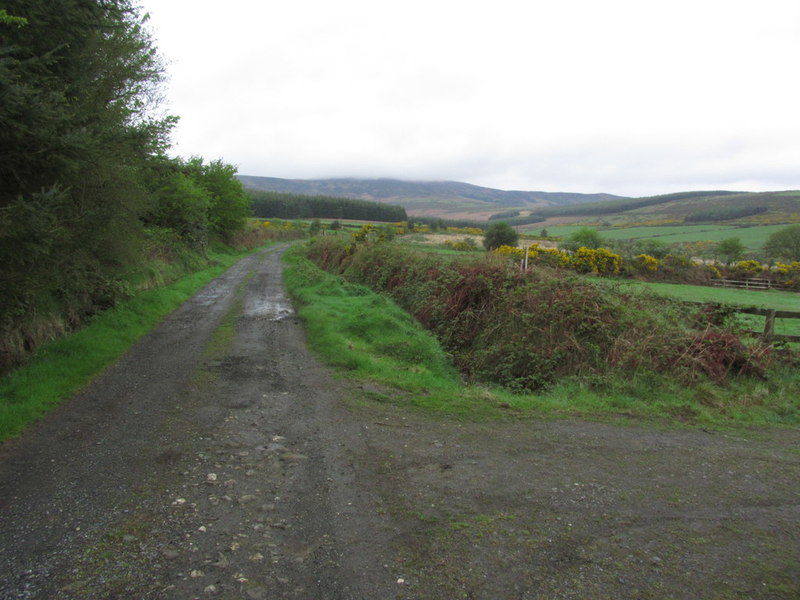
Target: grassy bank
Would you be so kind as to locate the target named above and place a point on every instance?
(62, 367)
(369, 339)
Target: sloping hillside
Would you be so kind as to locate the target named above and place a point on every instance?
(690, 207)
(434, 198)
(458, 200)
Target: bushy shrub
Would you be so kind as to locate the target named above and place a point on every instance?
(596, 260)
(749, 268)
(789, 274)
(466, 245)
(500, 234)
(645, 263)
(528, 330)
(509, 251)
(553, 257)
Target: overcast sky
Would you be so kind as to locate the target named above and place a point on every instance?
(619, 96)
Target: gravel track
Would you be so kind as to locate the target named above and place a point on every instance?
(206, 465)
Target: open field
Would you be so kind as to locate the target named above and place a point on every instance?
(752, 237)
(779, 300)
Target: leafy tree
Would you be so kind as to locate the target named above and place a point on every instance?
(335, 226)
(784, 244)
(315, 227)
(183, 207)
(730, 250)
(583, 238)
(500, 234)
(229, 206)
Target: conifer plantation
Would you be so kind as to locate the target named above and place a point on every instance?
(87, 192)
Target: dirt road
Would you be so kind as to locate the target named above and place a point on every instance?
(219, 460)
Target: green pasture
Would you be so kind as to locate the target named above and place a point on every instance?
(663, 231)
(554, 231)
(752, 237)
(777, 299)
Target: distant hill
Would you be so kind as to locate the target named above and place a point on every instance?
(689, 207)
(457, 200)
(434, 198)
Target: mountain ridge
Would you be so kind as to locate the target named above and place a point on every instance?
(413, 194)
(464, 201)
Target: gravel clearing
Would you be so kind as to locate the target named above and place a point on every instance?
(203, 467)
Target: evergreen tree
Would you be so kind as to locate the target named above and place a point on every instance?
(78, 82)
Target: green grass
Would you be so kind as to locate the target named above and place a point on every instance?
(777, 299)
(61, 368)
(752, 237)
(367, 338)
(560, 231)
(365, 335)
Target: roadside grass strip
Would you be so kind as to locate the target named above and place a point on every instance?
(367, 338)
(63, 367)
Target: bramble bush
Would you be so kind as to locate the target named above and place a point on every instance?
(527, 331)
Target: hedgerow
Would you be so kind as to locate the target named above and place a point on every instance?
(528, 330)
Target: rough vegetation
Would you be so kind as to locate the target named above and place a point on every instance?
(527, 331)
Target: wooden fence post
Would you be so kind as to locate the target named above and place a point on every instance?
(769, 325)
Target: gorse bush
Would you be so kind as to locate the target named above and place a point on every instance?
(527, 331)
(599, 261)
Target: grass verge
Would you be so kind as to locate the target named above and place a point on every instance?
(369, 339)
(61, 368)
